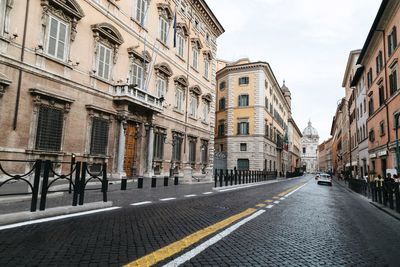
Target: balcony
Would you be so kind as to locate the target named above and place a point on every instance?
(128, 93)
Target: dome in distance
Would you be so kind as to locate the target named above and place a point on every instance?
(310, 131)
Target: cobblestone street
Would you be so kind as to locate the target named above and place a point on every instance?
(313, 226)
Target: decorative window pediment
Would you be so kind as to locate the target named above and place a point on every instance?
(108, 32)
(165, 10)
(182, 29)
(164, 69)
(195, 90)
(207, 54)
(4, 82)
(181, 80)
(70, 8)
(134, 55)
(197, 43)
(207, 97)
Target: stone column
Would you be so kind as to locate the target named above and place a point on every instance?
(121, 150)
(150, 152)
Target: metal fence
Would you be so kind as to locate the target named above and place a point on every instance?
(234, 177)
(383, 192)
(40, 184)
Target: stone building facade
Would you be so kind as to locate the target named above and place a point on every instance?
(309, 146)
(252, 117)
(325, 156)
(110, 81)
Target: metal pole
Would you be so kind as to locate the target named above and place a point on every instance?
(397, 142)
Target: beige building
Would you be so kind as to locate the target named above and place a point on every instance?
(252, 116)
(110, 81)
(325, 156)
(294, 145)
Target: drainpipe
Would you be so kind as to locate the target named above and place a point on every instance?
(20, 69)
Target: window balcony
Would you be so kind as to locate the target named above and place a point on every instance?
(136, 96)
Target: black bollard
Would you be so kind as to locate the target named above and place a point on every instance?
(153, 181)
(166, 179)
(140, 182)
(123, 184)
(176, 181)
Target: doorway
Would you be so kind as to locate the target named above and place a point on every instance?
(130, 167)
(383, 167)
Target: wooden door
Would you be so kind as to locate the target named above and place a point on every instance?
(130, 149)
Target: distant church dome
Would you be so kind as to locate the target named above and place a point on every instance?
(310, 131)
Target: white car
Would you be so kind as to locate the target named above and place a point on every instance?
(324, 178)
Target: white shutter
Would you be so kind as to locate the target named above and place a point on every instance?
(62, 34)
(101, 56)
(52, 42)
(107, 62)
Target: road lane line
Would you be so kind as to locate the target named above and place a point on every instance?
(141, 203)
(192, 195)
(268, 201)
(167, 199)
(298, 188)
(282, 198)
(261, 205)
(176, 247)
(60, 217)
(237, 188)
(275, 197)
(207, 193)
(276, 202)
(269, 206)
(197, 250)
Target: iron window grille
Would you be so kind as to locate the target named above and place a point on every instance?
(192, 151)
(177, 147)
(99, 141)
(158, 146)
(49, 128)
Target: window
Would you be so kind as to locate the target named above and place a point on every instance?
(192, 150)
(222, 104)
(5, 7)
(243, 128)
(204, 152)
(206, 68)
(379, 62)
(381, 95)
(195, 55)
(372, 135)
(243, 80)
(141, 8)
(304, 150)
(193, 106)
(266, 129)
(49, 129)
(369, 78)
(177, 147)
(57, 39)
(99, 141)
(243, 100)
(221, 129)
(163, 30)
(365, 105)
(180, 45)
(137, 75)
(370, 107)
(103, 62)
(221, 147)
(243, 164)
(243, 147)
(222, 86)
(178, 99)
(382, 128)
(206, 108)
(158, 150)
(266, 102)
(393, 80)
(161, 87)
(392, 41)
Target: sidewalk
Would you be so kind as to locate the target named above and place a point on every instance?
(382, 207)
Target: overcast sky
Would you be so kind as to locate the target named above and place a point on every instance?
(306, 42)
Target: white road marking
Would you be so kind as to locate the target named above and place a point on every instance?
(269, 206)
(192, 195)
(276, 202)
(207, 193)
(237, 188)
(295, 190)
(141, 203)
(197, 250)
(282, 198)
(60, 217)
(167, 199)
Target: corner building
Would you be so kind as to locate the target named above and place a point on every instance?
(110, 82)
(252, 117)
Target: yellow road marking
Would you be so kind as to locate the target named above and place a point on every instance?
(261, 205)
(276, 197)
(178, 246)
(268, 201)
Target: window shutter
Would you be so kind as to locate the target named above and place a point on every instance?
(394, 32)
(101, 61)
(52, 37)
(61, 40)
(107, 63)
(247, 127)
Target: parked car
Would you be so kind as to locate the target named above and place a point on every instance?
(324, 178)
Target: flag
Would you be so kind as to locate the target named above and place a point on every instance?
(175, 29)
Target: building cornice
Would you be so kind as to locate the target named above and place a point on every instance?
(205, 10)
